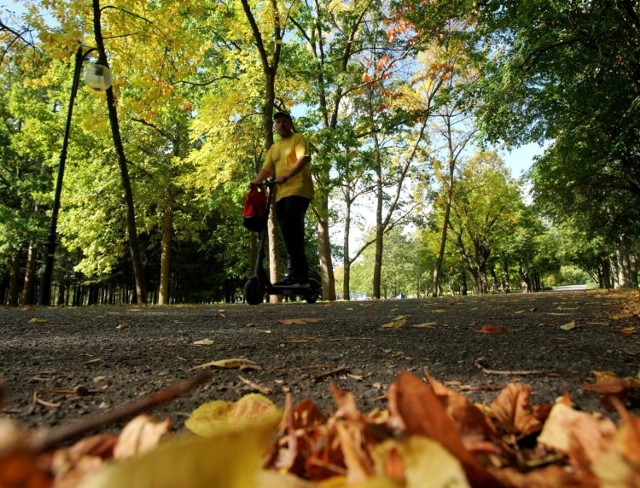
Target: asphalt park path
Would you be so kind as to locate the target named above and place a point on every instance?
(60, 365)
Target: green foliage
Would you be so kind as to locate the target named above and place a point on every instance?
(374, 86)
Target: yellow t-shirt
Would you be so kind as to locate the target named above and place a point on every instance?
(281, 157)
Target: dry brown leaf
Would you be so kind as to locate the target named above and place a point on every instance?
(301, 321)
(424, 414)
(140, 435)
(514, 412)
(12, 436)
(567, 430)
(610, 386)
(122, 325)
(472, 423)
(546, 477)
(232, 363)
(73, 464)
(491, 329)
(24, 469)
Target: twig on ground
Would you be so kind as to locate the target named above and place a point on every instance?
(265, 390)
(44, 439)
(44, 403)
(330, 373)
(480, 364)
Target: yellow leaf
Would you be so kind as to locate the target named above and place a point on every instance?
(220, 416)
(203, 342)
(425, 462)
(273, 479)
(232, 363)
(231, 459)
(622, 316)
(568, 326)
(627, 331)
(397, 322)
(426, 324)
(38, 320)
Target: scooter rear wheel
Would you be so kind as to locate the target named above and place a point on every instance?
(314, 292)
(254, 291)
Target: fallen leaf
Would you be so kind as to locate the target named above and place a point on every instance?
(122, 325)
(568, 326)
(610, 385)
(38, 320)
(140, 435)
(514, 412)
(568, 430)
(230, 459)
(299, 321)
(626, 331)
(203, 342)
(220, 416)
(399, 321)
(426, 325)
(424, 414)
(232, 363)
(419, 462)
(491, 329)
(622, 316)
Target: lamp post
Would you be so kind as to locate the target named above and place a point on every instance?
(97, 77)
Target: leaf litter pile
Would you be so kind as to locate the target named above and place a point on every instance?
(428, 436)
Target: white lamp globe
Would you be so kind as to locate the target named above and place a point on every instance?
(98, 77)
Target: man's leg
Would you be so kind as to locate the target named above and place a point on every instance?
(291, 212)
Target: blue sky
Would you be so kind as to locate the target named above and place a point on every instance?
(521, 159)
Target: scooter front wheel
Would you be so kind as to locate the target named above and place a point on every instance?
(253, 291)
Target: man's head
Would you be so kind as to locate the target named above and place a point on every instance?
(283, 124)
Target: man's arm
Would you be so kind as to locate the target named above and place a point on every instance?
(263, 174)
(297, 167)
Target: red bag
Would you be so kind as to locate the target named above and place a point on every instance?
(254, 214)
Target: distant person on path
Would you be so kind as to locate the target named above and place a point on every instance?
(287, 162)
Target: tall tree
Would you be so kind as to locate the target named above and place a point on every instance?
(484, 207)
(568, 72)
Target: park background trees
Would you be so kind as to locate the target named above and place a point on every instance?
(407, 110)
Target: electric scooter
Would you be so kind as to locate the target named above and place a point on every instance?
(259, 284)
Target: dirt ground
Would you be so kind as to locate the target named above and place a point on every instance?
(119, 354)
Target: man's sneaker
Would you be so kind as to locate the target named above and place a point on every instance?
(287, 281)
(290, 282)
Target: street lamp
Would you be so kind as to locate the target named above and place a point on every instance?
(97, 77)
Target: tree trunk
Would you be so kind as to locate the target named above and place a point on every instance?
(627, 272)
(346, 262)
(377, 269)
(506, 280)
(28, 288)
(14, 281)
(165, 257)
(134, 247)
(445, 226)
(324, 249)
